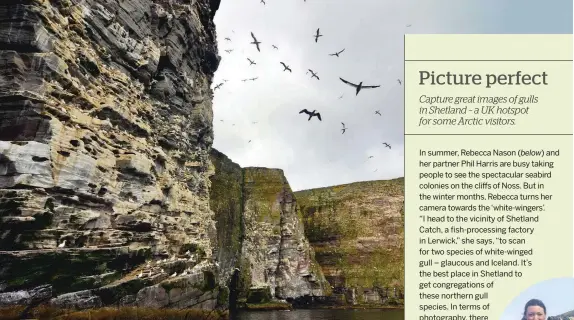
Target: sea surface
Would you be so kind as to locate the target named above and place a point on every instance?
(323, 314)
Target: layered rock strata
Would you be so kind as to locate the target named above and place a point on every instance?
(105, 131)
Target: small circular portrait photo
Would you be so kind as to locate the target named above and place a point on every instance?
(548, 300)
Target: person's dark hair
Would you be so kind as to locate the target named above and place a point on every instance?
(533, 303)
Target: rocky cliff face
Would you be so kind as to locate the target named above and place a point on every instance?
(105, 131)
(357, 233)
(261, 232)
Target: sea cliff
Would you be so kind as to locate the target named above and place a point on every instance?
(111, 193)
(357, 232)
(261, 233)
(105, 134)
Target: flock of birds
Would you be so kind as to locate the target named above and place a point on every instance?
(313, 74)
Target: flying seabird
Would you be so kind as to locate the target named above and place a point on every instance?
(218, 86)
(313, 74)
(62, 245)
(311, 114)
(227, 39)
(254, 122)
(225, 80)
(244, 80)
(229, 50)
(344, 129)
(375, 170)
(408, 25)
(378, 112)
(358, 86)
(387, 145)
(286, 67)
(274, 47)
(255, 42)
(251, 62)
(317, 35)
(337, 53)
(341, 97)
(249, 141)
(263, 1)
(253, 79)
(399, 81)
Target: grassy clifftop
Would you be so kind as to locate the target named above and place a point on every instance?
(357, 231)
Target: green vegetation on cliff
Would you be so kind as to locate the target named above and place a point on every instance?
(260, 232)
(357, 231)
(226, 200)
(265, 187)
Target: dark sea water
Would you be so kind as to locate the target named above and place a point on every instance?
(323, 314)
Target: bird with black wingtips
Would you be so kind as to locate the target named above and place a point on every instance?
(286, 67)
(378, 112)
(229, 50)
(387, 145)
(244, 80)
(218, 86)
(255, 42)
(253, 79)
(337, 53)
(343, 129)
(358, 86)
(313, 74)
(311, 114)
(399, 81)
(227, 39)
(317, 35)
(274, 47)
(251, 62)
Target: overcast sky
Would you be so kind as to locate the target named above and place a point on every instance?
(313, 153)
(556, 294)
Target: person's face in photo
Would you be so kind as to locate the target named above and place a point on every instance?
(535, 313)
